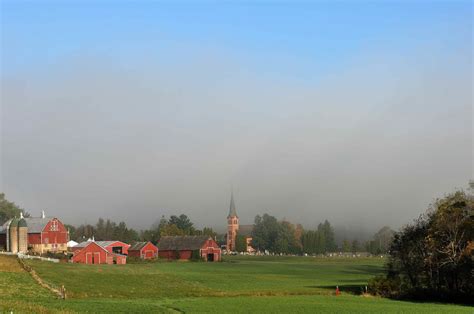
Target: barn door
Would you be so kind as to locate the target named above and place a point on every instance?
(96, 257)
(89, 258)
(148, 254)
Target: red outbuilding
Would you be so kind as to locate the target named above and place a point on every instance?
(117, 247)
(183, 247)
(93, 253)
(144, 250)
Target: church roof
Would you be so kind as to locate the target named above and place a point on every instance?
(232, 211)
(245, 230)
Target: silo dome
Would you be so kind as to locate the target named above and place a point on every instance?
(14, 222)
(22, 223)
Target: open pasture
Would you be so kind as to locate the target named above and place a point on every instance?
(239, 284)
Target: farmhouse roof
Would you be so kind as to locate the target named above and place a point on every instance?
(34, 224)
(182, 242)
(232, 211)
(137, 246)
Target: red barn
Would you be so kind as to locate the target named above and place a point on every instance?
(44, 234)
(117, 247)
(182, 247)
(93, 253)
(144, 250)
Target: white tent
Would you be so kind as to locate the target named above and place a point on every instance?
(72, 243)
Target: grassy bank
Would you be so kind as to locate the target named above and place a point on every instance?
(240, 284)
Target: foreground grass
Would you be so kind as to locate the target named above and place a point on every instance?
(242, 284)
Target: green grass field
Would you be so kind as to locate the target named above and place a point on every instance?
(238, 285)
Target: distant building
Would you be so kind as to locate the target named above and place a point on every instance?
(144, 250)
(183, 247)
(93, 253)
(232, 225)
(117, 247)
(36, 234)
(234, 229)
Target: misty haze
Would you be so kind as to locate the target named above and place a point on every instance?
(362, 144)
(349, 119)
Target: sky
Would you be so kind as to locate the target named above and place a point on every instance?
(359, 112)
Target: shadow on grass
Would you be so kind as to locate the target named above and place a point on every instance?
(364, 269)
(352, 289)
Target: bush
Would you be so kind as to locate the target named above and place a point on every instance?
(138, 260)
(61, 256)
(385, 287)
(196, 257)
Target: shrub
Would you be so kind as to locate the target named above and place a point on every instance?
(196, 257)
(385, 287)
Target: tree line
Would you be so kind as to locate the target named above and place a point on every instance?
(9, 210)
(108, 230)
(275, 236)
(268, 233)
(432, 258)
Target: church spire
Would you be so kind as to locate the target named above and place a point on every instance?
(232, 211)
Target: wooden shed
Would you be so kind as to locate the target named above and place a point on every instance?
(117, 247)
(182, 247)
(93, 253)
(144, 250)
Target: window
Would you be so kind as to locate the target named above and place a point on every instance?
(54, 226)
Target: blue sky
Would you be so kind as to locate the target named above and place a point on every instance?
(304, 39)
(357, 112)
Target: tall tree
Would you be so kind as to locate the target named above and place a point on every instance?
(182, 222)
(9, 209)
(346, 246)
(171, 230)
(240, 243)
(433, 256)
(355, 246)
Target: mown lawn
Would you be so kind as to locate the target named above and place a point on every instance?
(240, 284)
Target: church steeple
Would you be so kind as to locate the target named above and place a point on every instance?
(232, 211)
(232, 225)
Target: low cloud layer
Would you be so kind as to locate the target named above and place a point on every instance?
(368, 144)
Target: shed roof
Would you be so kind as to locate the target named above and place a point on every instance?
(182, 242)
(106, 243)
(100, 243)
(138, 246)
(87, 243)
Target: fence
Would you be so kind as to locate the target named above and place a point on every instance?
(61, 292)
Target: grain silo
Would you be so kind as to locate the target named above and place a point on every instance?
(13, 236)
(22, 236)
